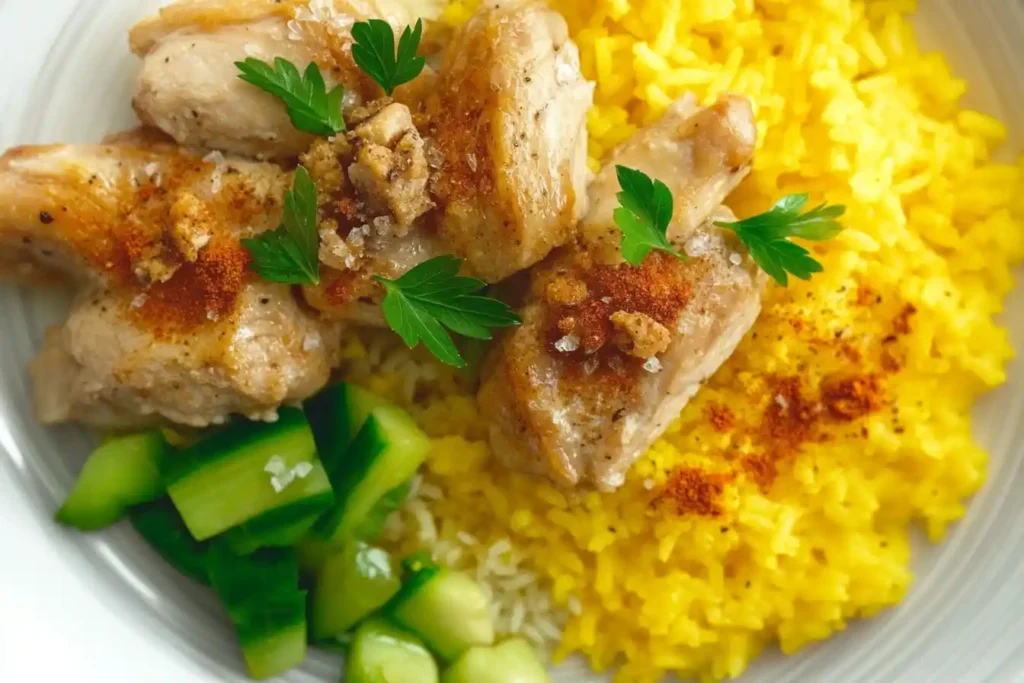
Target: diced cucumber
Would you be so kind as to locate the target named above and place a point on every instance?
(337, 414)
(229, 477)
(272, 633)
(383, 653)
(372, 526)
(162, 527)
(261, 595)
(278, 528)
(387, 451)
(513, 661)
(447, 609)
(123, 472)
(350, 586)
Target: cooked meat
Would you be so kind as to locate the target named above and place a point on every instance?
(124, 213)
(110, 367)
(509, 120)
(608, 354)
(189, 85)
(171, 325)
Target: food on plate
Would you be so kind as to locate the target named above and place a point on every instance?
(644, 331)
(189, 87)
(608, 352)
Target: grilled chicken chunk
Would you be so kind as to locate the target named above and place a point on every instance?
(109, 366)
(189, 85)
(609, 354)
(170, 324)
(509, 119)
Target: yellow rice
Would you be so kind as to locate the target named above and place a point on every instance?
(852, 111)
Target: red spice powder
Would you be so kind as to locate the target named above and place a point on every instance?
(693, 491)
(902, 321)
(720, 416)
(850, 398)
(208, 288)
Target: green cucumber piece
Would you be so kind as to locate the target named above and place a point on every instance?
(447, 609)
(222, 481)
(272, 633)
(261, 595)
(162, 527)
(280, 528)
(337, 414)
(387, 452)
(513, 661)
(124, 471)
(383, 653)
(350, 586)
(373, 524)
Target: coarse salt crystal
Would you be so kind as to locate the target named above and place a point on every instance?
(311, 342)
(302, 470)
(212, 315)
(214, 157)
(652, 364)
(139, 301)
(606, 299)
(567, 344)
(253, 50)
(735, 259)
(782, 402)
(648, 484)
(471, 160)
(244, 333)
(275, 465)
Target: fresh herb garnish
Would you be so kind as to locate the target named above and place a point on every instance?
(766, 236)
(290, 254)
(311, 108)
(644, 215)
(374, 53)
(432, 296)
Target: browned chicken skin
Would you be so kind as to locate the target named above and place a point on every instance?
(609, 354)
(169, 323)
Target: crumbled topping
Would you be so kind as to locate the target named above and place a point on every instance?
(191, 227)
(311, 342)
(640, 335)
(565, 290)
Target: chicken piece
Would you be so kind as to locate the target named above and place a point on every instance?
(608, 354)
(111, 367)
(509, 120)
(124, 214)
(189, 85)
(171, 324)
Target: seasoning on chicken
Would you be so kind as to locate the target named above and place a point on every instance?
(608, 354)
(372, 186)
(170, 324)
(509, 120)
(189, 85)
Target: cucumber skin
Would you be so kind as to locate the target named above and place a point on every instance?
(278, 528)
(418, 609)
(336, 415)
(121, 473)
(350, 586)
(407, 659)
(276, 654)
(513, 661)
(162, 528)
(386, 429)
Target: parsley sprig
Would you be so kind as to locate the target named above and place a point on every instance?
(374, 52)
(311, 108)
(766, 236)
(643, 216)
(290, 253)
(431, 297)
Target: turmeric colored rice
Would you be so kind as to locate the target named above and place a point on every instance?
(779, 504)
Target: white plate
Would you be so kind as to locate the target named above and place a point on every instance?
(66, 75)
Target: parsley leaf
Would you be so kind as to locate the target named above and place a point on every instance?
(374, 53)
(767, 236)
(290, 253)
(431, 297)
(311, 108)
(643, 216)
